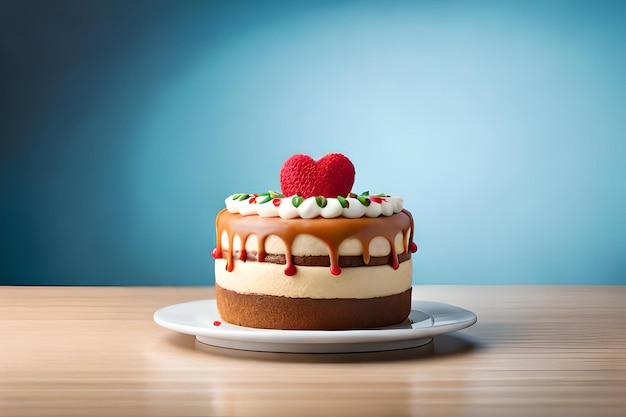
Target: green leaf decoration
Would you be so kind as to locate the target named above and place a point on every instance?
(265, 198)
(274, 194)
(297, 200)
(321, 201)
(364, 200)
(382, 195)
(365, 193)
(243, 196)
(342, 201)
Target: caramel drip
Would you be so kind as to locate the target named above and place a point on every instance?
(330, 231)
(409, 244)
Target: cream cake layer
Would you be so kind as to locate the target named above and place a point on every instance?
(314, 281)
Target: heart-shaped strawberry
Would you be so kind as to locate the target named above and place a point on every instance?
(331, 176)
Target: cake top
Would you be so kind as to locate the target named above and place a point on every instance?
(315, 188)
(312, 189)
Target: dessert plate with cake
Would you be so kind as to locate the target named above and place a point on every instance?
(425, 320)
(314, 266)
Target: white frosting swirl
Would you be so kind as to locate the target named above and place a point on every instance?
(311, 207)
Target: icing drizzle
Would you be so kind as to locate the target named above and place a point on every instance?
(331, 232)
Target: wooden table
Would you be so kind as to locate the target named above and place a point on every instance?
(536, 350)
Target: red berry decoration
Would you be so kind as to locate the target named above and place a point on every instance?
(331, 176)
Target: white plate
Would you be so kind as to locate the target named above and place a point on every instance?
(427, 319)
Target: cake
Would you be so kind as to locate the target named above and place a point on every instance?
(314, 256)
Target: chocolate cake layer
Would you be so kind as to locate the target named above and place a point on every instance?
(274, 312)
(345, 261)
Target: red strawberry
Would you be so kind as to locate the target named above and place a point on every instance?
(331, 176)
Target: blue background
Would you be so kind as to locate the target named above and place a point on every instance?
(125, 124)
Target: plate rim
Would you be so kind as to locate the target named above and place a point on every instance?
(445, 318)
